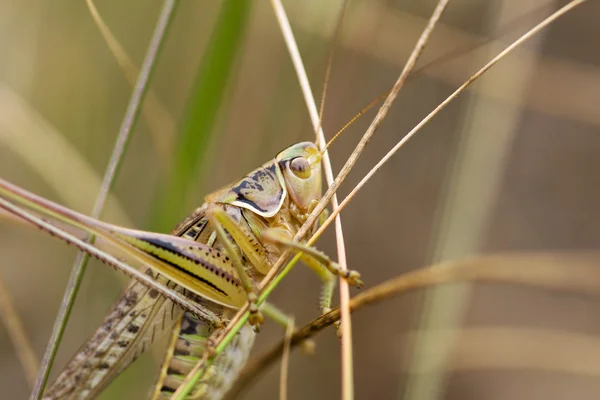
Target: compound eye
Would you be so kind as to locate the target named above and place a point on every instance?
(300, 167)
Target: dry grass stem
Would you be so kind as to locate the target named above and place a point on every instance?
(443, 104)
(502, 30)
(359, 149)
(403, 26)
(288, 36)
(566, 272)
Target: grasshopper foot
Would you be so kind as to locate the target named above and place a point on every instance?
(220, 324)
(256, 317)
(210, 348)
(338, 329)
(352, 277)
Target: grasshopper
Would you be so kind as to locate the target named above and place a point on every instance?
(216, 256)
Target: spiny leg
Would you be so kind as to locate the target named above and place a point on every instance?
(221, 221)
(320, 270)
(328, 286)
(326, 277)
(321, 265)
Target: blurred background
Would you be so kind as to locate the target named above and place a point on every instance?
(510, 166)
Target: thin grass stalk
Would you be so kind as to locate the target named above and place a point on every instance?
(129, 120)
(359, 149)
(443, 104)
(346, 328)
(498, 32)
(290, 41)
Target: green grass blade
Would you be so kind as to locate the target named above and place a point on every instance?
(202, 111)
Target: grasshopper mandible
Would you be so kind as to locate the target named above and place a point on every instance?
(217, 256)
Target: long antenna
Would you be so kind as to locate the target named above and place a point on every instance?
(502, 31)
(357, 116)
(336, 34)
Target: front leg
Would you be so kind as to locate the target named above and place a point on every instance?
(322, 265)
(221, 222)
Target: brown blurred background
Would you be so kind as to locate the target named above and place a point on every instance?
(511, 165)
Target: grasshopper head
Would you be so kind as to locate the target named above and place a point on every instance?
(301, 168)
